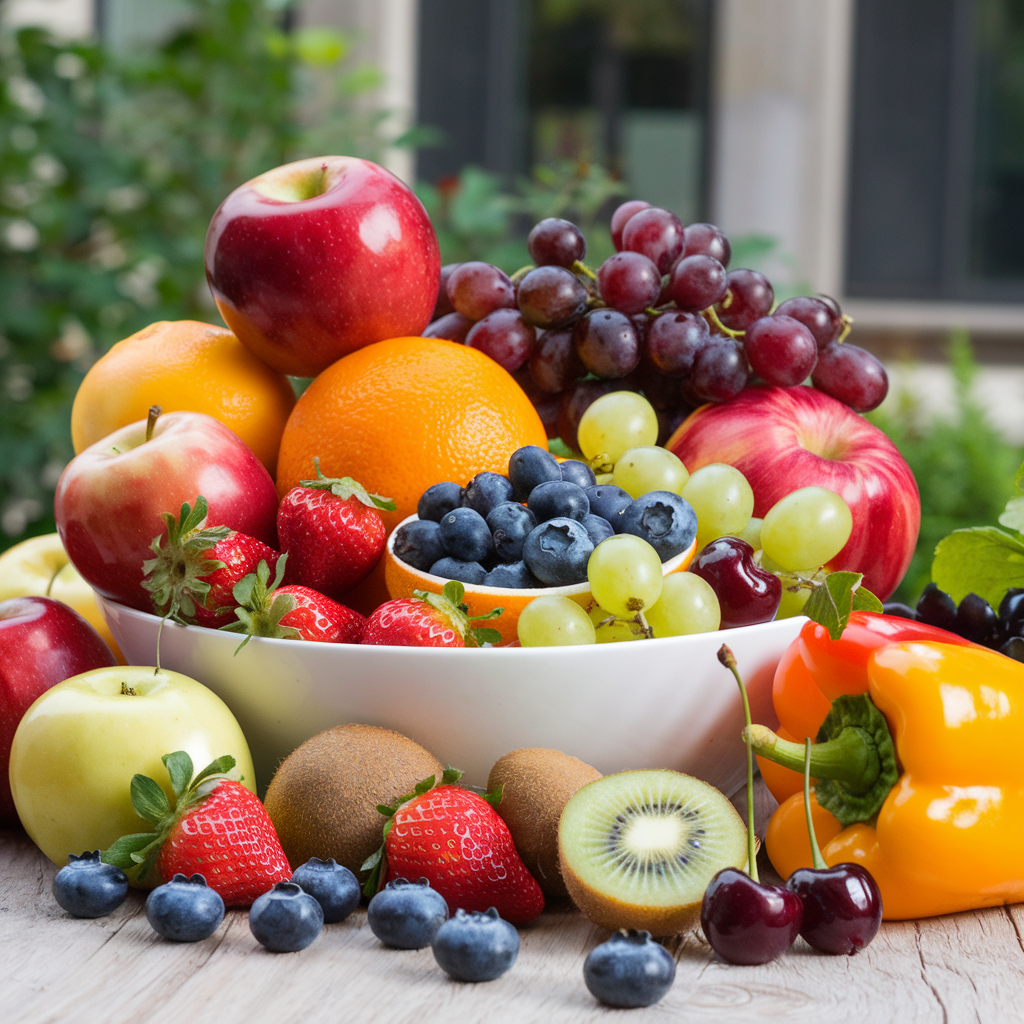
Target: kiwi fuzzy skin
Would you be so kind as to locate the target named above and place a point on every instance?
(323, 798)
(536, 784)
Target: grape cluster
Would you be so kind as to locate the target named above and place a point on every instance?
(973, 618)
(663, 316)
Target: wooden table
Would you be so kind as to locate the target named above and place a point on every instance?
(967, 967)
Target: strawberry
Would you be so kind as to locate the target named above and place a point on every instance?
(217, 828)
(429, 620)
(291, 612)
(456, 840)
(332, 532)
(196, 568)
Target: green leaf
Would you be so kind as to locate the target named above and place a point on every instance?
(149, 800)
(865, 601)
(221, 766)
(1013, 517)
(484, 635)
(179, 767)
(424, 787)
(983, 560)
(830, 604)
(120, 853)
(451, 776)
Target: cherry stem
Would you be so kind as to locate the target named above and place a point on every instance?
(728, 659)
(154, 412)
(816, 858)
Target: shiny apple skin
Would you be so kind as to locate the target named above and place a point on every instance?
(42, 642)
(303, 283)
(782, 439)
(110, 497)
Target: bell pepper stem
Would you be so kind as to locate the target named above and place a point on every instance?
(849, 758)
(817, 860)
(728, 659)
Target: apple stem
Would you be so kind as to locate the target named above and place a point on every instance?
(53, 579)
(154, 412)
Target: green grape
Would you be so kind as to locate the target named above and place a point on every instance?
(687, 605)
(552, 621)
(614, 423)
(625, 575)
(751, 533)
(612, 632)
(722, 499)
(649, 468)
(806, 528)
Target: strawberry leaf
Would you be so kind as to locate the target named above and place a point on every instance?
(179, 767)
(149, 800)
(451, 775)
(482, 635)
(122, 853)
(424, 786)
(345, 487)
(221, 766)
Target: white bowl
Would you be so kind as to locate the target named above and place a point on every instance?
(665, 703)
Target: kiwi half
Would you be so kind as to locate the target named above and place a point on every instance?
(638, 849)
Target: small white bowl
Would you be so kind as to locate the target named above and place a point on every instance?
(665, 703)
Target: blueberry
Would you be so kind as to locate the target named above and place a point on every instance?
(438, 500)
(897, 608)
(485, 491)
(465, 535)
(976, 621)
(86, 887)
(609, 502)
(331, 884)
(456, 569)
(476, 946)
(558, 499)
(1011, 610)
(286, 919)
(666, 521)
(406, 914)
(629, 970)
(185, 909)
(936, 608)
(509, 524)
(598, 529)
(530, 466)
(513, 575)
(419, 544)
(577, 473)
(557, 552)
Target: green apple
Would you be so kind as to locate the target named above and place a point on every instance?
(39, 567)
(78, 746)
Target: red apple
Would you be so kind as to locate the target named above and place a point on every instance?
(42, 642)
(312, 260)
(111, 496)
(785, 438)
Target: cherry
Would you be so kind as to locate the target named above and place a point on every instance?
(748, 922)
(842, 907)
(746, 592)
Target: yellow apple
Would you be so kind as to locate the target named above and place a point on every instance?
(78, 746)
(39, 567)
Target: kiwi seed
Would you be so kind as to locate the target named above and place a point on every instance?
(637, 849)
(536, 784)
(323, 798)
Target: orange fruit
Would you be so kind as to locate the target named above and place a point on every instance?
(402, 579)
(406, 413)
(184, 366)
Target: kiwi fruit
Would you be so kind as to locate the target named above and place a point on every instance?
(536, 784)
(323, 798)
(638, 849)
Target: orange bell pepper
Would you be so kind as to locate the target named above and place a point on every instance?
(816, 669)
(948, 833)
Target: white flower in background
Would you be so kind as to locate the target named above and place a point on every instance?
(126, 198)
(139, 283)
(21, 235)
(22, 194)
(18, 383)
(74, 342)
(18, 514)
(26, 94)
(50, 473)
(69, 65)
(48, 169)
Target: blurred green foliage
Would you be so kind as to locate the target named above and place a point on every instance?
(963, 466)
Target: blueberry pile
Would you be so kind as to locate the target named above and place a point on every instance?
(535, 527)
(973, 618)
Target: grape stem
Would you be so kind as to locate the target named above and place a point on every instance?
(579, 267)
(847, 326)
(711, 316)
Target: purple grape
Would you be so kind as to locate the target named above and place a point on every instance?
(453, 326)
(629, 282)
(781, 351)
(607, 344)
(622, 213)
(656, 233)
(707, 240)
(696, 282)
(748, 297)
(444, 306)
(551, 297)
(674, 339)
(476, 289)
(824, 321)
(504, 336)
(852, 375)
(719, 370)
(554, 364)
(556, 242)
(660, 390)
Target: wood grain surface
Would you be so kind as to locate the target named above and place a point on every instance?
(966, 967)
